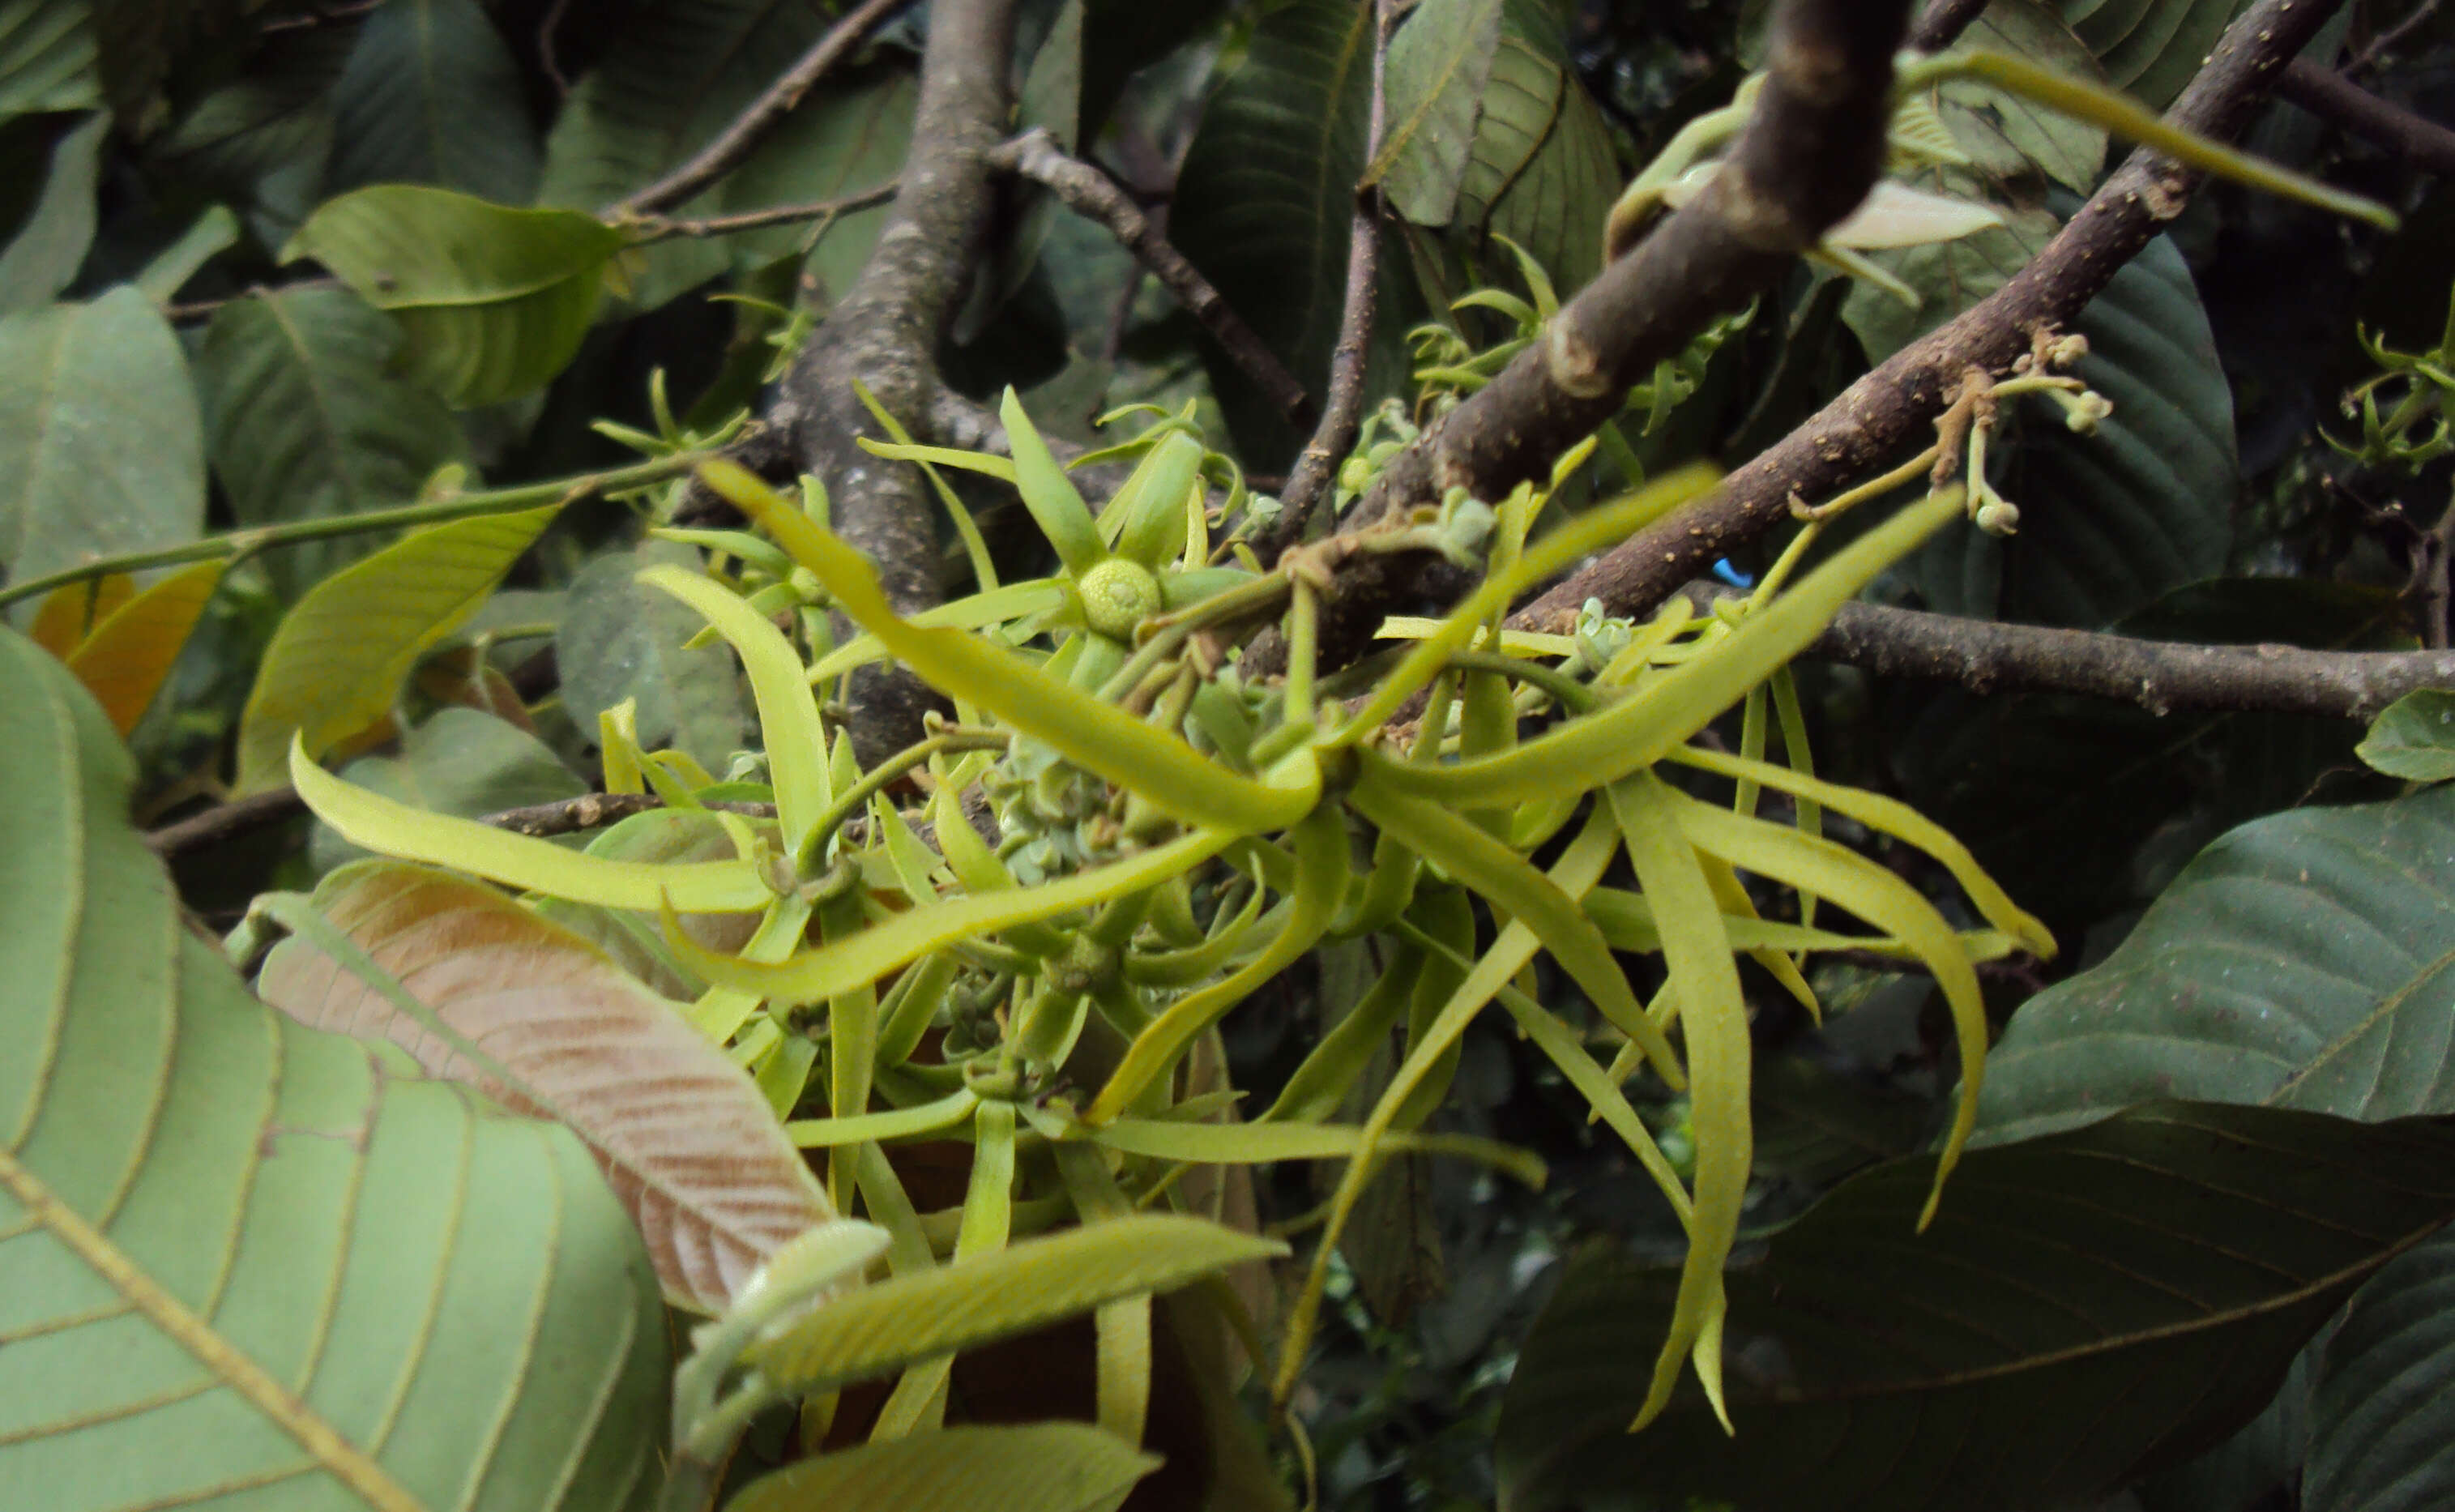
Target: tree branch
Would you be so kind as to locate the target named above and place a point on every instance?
(721, 156)
(1343, 416)
(1940, 24)
(1094, 196)
(883, 334)
(2162, 677)
(1876, 417)
(1809, 156)
(2331, 96)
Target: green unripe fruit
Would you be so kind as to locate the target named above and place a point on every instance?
(1117, 595)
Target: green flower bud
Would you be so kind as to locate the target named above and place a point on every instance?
(1117, 595)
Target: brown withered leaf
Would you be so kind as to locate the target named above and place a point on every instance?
(681, 1133)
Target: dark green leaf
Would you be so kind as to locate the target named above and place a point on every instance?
(2151, 48)
(168, 271)
(2109, 520)
(265, 1230)
(2383, 1412)
(2415, 738)
(492, 300)
(100, 448)
(46, 59)
(307, 421)
(2084, 1306)
(1122, 36)
(460, 763)
(1439, 62)
(433, 96)
(261, 141)
(1267, 194)
(51, 240)
(618, 640)
(2303, 961)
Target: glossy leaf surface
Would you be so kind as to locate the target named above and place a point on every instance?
(2083, 1305)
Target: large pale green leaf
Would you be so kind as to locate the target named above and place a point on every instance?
(997, 1295)
(682, 1134)
(2382, 1405)
(2303, 961)
(47, 243)
(304, 419)
(2113, 520)
(459, 762)
(492, 300)
(1438, 65)
(433, 96)
(46, 59)
(620, 639)
(337, 662)
(2084, 1306)
(2151, 48)
(1267, 193)
(252, 1264)
(100, 448)
(1036, 1467)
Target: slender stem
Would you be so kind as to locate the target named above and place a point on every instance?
(238, 543)
(1567, 692)
(1304, 645)
(658, 228)
(735, 142)
(1092, 194)
(873, 781)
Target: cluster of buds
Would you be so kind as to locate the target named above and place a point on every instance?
(2041, 370)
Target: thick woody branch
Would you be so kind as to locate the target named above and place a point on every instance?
(747, 130)
(1094, 196)
(1873, 420)
(884, 333)
(1807, 158)
(2328, 94)
(2160, 676)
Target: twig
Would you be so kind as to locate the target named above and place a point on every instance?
(246, 542)
(2386, 41)
(1308, 480)
(546, 59)
(1092, 194)
(2326, 93)
(226, 822)
(205, 309)
(1877, 416)
(594, 811)
(2160, 676)
(778, 101)
(658, 227)
(1940, 24)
